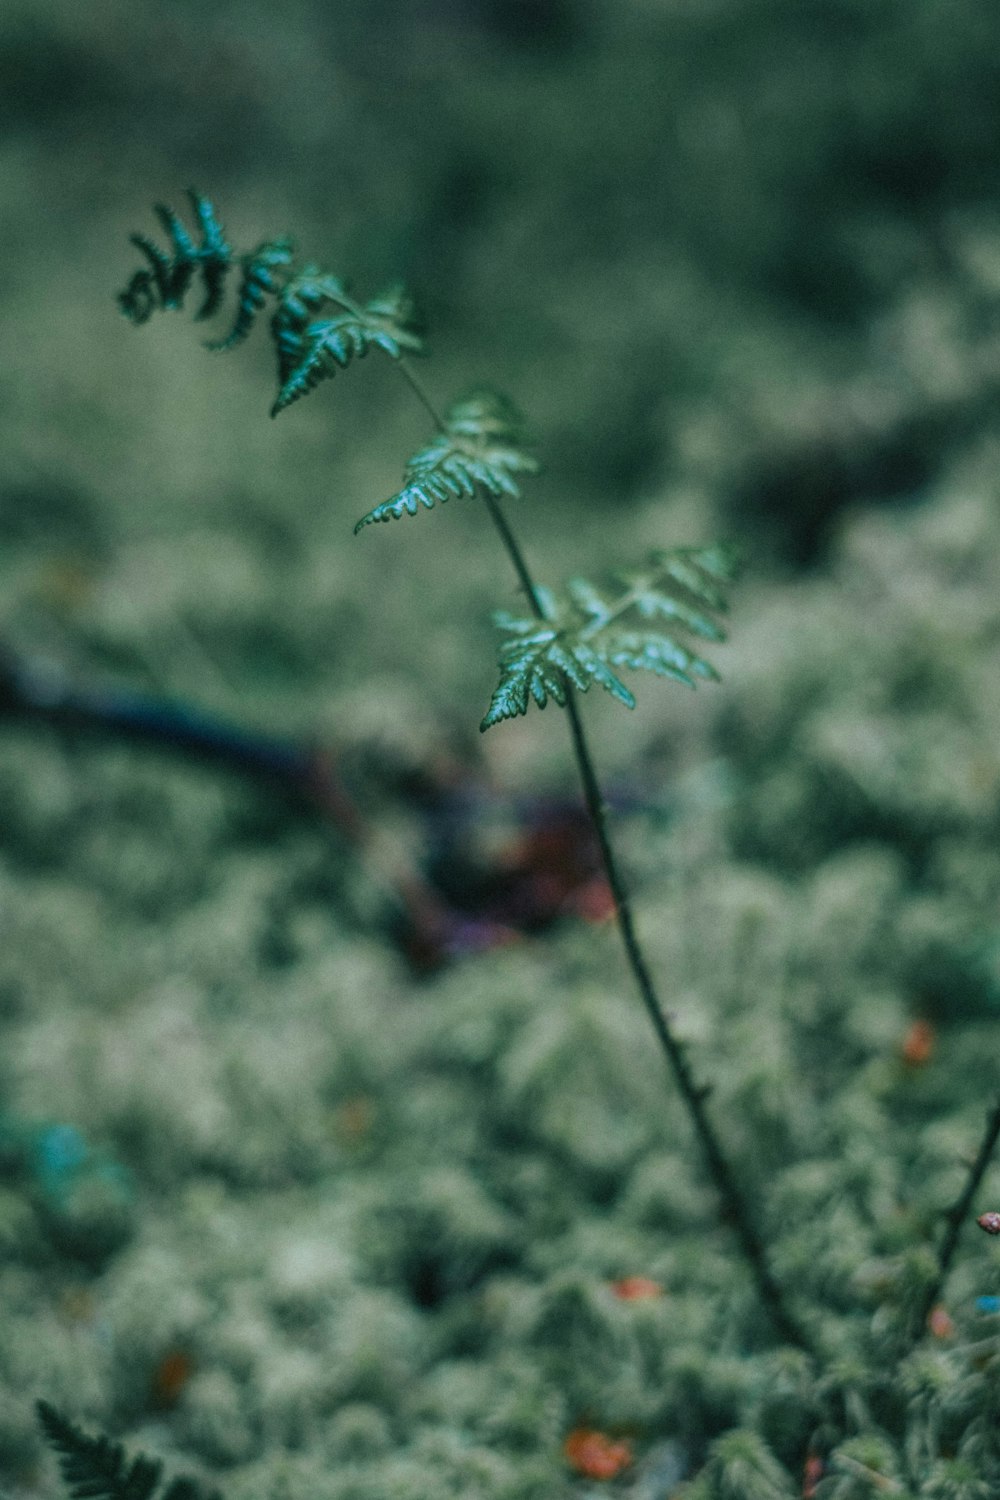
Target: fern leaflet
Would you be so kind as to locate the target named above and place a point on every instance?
(260, 280)
(165, 281)
(310, 346)
(313, 350)
(585, 635)
(97, 1469)
(479, 448)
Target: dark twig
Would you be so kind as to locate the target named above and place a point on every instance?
(43, 693)
(956, 1216)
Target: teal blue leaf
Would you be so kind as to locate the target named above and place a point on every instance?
(542, 666)
(165, 281)
(311, 351)
(214, 256)
(261, 278)
(589, 632)
(660, 654)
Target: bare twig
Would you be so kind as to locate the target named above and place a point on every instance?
(956, 1216)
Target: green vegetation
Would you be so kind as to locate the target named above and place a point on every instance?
(270, 1209)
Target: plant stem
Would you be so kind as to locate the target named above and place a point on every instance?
(417, 387)
(956, 1216)
(693, 1095)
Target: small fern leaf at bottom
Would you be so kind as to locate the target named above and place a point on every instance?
(95, 1468)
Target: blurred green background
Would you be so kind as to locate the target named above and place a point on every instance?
(739, 263)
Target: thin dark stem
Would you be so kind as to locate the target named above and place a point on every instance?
(515, 554)
(417, 387)
(957, 1215)
(694, 1095)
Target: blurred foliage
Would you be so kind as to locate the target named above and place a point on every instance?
(738, 261)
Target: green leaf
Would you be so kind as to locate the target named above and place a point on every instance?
(543, 666)
(741, 1467)
(478, 448)
(96, 1468)
(586, 633)
(260, 279)
(645, 651)
(317, 328)
(313, 349)
(166, 280)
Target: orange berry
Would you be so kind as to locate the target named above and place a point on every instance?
(595, 1455)
(812, 1473)
(635, 1288)
(940, 1322)
(170, 1377)
(354, 1118)
(917, 1047)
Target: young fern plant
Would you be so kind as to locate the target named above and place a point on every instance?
(652, 619)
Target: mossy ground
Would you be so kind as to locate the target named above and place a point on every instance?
(741, 269)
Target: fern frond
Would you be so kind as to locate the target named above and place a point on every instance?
(260, 280)
(301, 296)
(586, 635)
(543, 666)
(214, 256)
(97, 1469)
(313, 350)
(166, 280)
(478, 448)
(310, 347)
